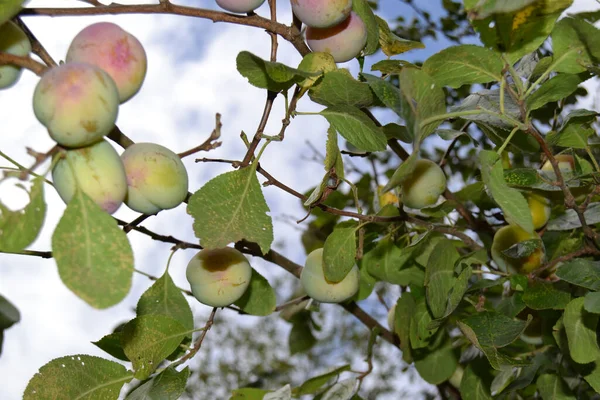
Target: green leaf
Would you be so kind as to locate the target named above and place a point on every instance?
(168, 385)
(339, 252)
(395, 131)
(78, 377)
(147, 340)
(313, 385)
(523, 249)
(9, 8)
(18, 229)
(389, 263)
(571, 52)
(391, 66)
(342, 390)
(164, 298)
(93, 255)
(301, 338)
(269, 75)
(593, 377)
(316, 62)
(283, 393)
(575, 130)
(234, 202)
(511, 306)
(511, 201)
(580, 327)
(356, 127)
(403, 316)
(493, 329)
(339, 88)
(580, 272)
(421, 330)
(248, 394)
(559, 87)
(489, 100)
(552, 387)
(439, 277)
(364, 11)
(570, 220)
(9, 314)
(402, 172)
(111, 344)
(386, 92)
(472, 387)
(391, 44)
(461, 284)
(438, 364)
(334, 168)
(465, 64)
(546, 295)
(592, 302)
(259, 298)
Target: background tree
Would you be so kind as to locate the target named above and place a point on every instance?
(497, 281)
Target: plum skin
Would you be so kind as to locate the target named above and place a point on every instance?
(97, 170)
(77, 102)
(12, 41)
(240, 6)
(540, 209)
(424, 186)
(114, 50)
(321, 13)
(343, 41)
(218, 277)
(156, 178)
(316, 286)
(508, 236)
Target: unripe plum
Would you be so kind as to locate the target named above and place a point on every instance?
(156, 178)
(424, 186)
(114, 50)
(540, 209)
(97, 170)
(343, 41)
(77, 102)
(218, 277)
(12, 41)
(507, 237)
(566, 164)
(319, 288)
(321, 13)
(240, 6)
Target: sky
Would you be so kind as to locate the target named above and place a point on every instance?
(191, 76)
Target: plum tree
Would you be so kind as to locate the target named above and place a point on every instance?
(12, 41)
(156, 178)
(77, 102)
(319, 288)
(424, 186)
(96, 170)
(508, 236)
(343, 41)
(321, 13)
(218, 277)
(114, 50)
(240, 6)
(540, 209)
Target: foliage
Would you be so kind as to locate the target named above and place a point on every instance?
(465, 322)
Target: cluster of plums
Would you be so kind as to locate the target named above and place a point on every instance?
(78, 102)
(220, 277)
(331, 25)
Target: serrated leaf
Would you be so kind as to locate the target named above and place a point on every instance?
(571, 51)
(234, 202)
(552, 387)
(9, 8)
(339, 88)
(580, 327)
(342, 390)
(390, 263)
(559, 87)
(339, 251)
(405, 307)
(94, 257)
(465, 64)
(493, 329)
(523, 249)
(259, 298)
(164, 298)
(313, 385)
(421, 330)
(439, 277)
(269, 75)
(570, 220)
(168, 385)
(437, 365)
(386, 92)
(580, 272)
(111, 344)
(147, 340)
(18, 229)
(391, 44)
(356, 127)
(78, 377)
(511, 201)
(546, 295)
(472, 387)
(364, 11)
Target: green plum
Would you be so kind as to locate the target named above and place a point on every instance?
(97, 170)
(156, 178)
(508, 236)
(319, 288)
(12, 41)
(219, 277)
(424, 186)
